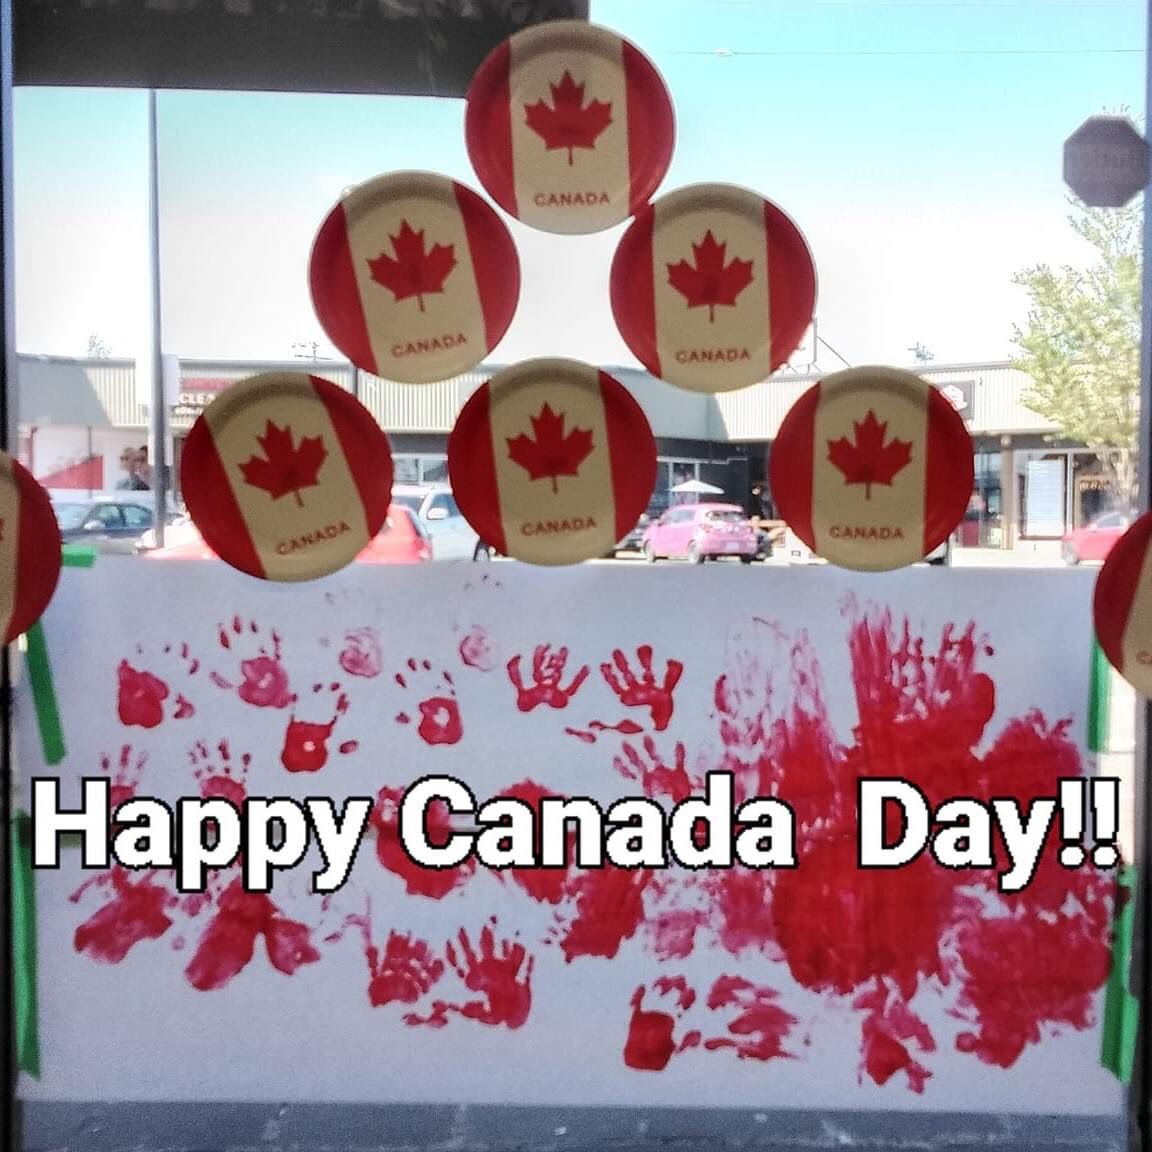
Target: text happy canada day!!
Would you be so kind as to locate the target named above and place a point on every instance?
(895, 822)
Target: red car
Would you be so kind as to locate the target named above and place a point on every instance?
(702, 532)
(1094, 541)
(403, 540)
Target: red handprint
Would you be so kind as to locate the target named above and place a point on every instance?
(405, 971)
(547, 672)
(651, 1042)
(759, 1029)
(419, 879)
(500, 974)
(656, 778)
(643, 691)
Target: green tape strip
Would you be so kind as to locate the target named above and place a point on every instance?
(75, 556)
(26, 982)
(24, 943)
(40, 671)
(44, 695)
(1121, 1008)
(1099, 700)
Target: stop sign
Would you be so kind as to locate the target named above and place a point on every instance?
(1106, 161)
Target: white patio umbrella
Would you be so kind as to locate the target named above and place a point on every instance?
(698, 488)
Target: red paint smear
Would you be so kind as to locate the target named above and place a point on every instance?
(419, 880)
(602, 908)
(141, 697)
(135, 913)
(742, 911)
(348, 747)
(228, 943)
(760, 1026)
(886, 1030)
(477, 651)
(362, 654)
(840, 926)
(406, 970)
(1023, 973)
(545, 885)
(184, 708)
(499, 971)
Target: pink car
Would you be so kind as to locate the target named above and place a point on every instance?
(1095, 540)
(701, 532)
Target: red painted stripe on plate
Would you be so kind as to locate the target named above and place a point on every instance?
(212, 504)
(949, 471)
(790, 465)
(651, 126)
(472, 470)
(632, 290)
(494, 261)
(365, 447)
(38, 553)
(791, 284)
(1116, 589)
(335, 294)
(488, 128)
(631, 453)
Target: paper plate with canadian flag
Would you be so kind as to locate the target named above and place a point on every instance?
(569, 127)
(712, 287)
(414, 277)
(1122, 605)
(30, 549)
(552, 461)
(872, 468)
(287, 476)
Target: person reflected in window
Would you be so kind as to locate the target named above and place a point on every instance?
(130, 464)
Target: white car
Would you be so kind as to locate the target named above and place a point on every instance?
(453, 538)
(795, 551)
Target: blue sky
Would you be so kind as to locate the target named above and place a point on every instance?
(916, 142)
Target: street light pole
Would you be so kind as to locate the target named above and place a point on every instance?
(158, 449)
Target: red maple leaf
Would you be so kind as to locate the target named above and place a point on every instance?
(869, 461)
(710, 281)
(568, 122)
(552, 453)
(414, 271)
(284, 467)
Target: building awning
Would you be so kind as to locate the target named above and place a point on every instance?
(60, 392)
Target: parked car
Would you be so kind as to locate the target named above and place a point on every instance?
(1094, 541)
(702, 532)
(797, 552)
(179, 529)
(453, 538)
(403, 540)
(111, 522)
(634, 541)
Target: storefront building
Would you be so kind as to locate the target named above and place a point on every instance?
(78, 416)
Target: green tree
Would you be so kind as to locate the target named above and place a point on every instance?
(1081, 342)
(97, 349)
